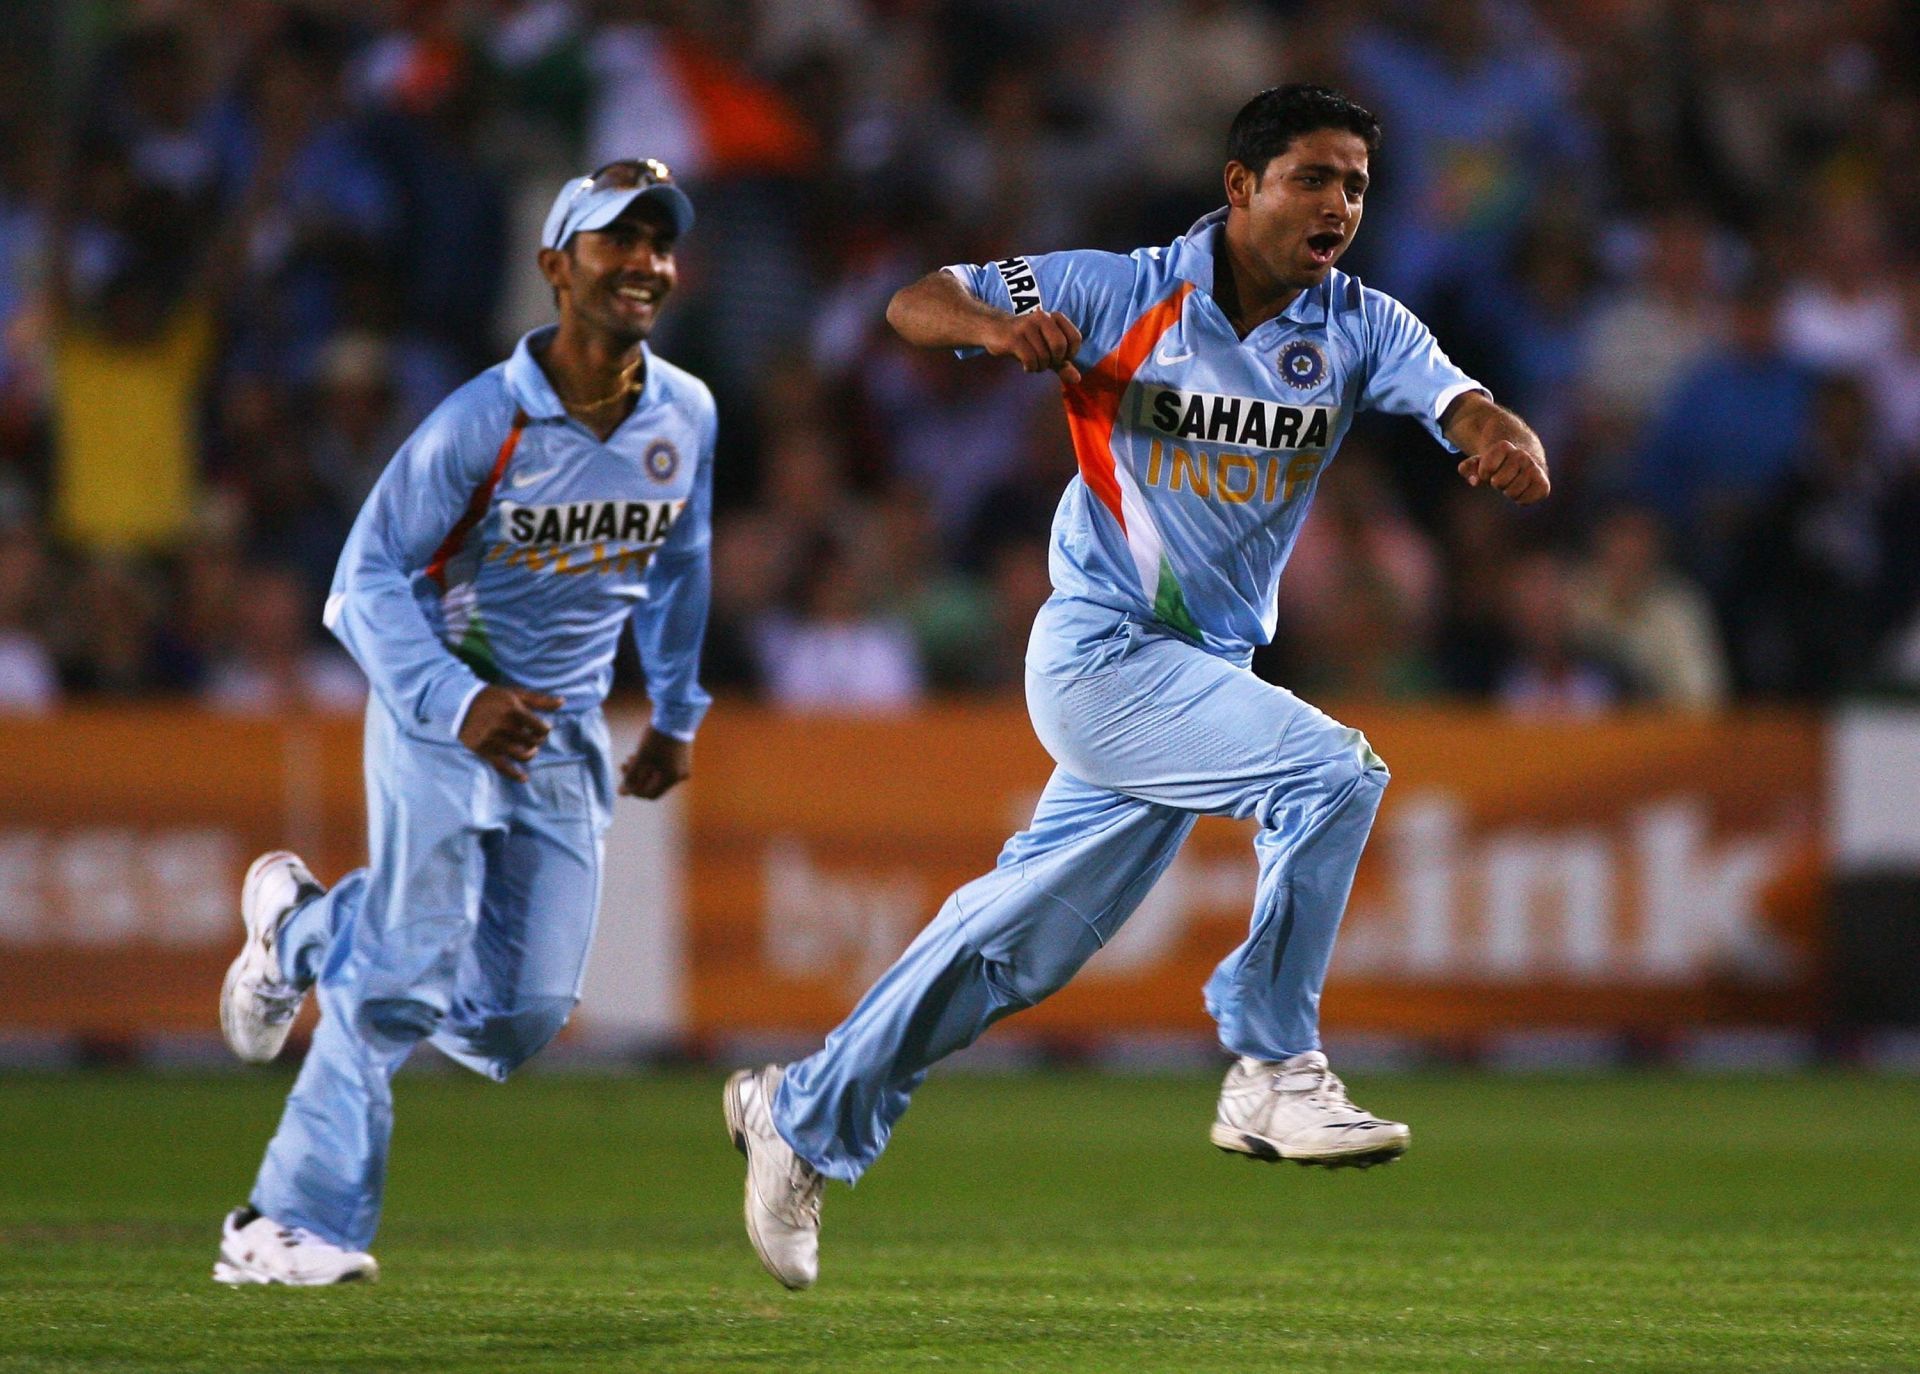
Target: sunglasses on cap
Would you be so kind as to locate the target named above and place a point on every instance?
(626, 174)
(596, 200)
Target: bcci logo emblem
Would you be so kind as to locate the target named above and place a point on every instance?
(662, 460)
(1303, 365)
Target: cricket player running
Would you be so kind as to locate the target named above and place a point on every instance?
(553, 499)
(1207, 386)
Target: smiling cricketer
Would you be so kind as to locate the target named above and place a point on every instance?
(553, 501)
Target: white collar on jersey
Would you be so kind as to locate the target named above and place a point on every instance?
(527, 381)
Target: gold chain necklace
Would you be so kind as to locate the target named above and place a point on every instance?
(627, 388)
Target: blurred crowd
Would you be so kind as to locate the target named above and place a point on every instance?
(246, 246)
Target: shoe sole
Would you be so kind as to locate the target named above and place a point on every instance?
(239, 1276)
(1264, 1151)
(228, 1030)
(737, 1131)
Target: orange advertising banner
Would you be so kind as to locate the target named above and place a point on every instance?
(1632, 874)
(123, 840)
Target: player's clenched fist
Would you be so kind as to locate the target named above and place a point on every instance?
(1042, 340)
(503, 728)
(1514, 472)
(659, 765)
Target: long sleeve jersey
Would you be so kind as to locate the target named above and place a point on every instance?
(505, 543)
(1200, 451)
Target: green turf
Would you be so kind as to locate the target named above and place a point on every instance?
(1048, 1223)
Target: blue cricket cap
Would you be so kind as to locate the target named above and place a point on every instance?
(593, 202)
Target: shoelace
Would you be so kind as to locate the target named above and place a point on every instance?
(1328, 1091)
(804, 1186)
(278, 1002)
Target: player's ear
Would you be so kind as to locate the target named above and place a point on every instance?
(1241, 182)
(553, 266)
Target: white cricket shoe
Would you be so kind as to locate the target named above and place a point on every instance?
(783, 1190)
(258, 1249)
(1298, 1109)
(257, 1002)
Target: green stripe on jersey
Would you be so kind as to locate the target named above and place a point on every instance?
(1170, 607)
(476, 651)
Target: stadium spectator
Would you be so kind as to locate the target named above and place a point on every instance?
(1018, 584)
(832, 650)
(1639, 614)
(1479, 101)
(1549, 672)
(1726, 434)
(1175, 125)
(1539, 321)
(131, 354)
(27, 171)
(1893, 381)
(109, 645)
(271, 662)
(1579, 189)
(449, 267)
(952, 617)
(1647, 336)
(292, 523)
(751, 555)
(806, 489)
(1473, 630)
(1367, 649)
(1843, 314)
(289, 129)
(1826, 558)
(356, 417)
(153, 100)
(945, 427)
(1360, 531)
(128, 360)
(1361, 592)
(204, 591)
(29, 680)
(1019, 508)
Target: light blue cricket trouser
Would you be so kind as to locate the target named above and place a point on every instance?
(470, 926)
(1149, 732)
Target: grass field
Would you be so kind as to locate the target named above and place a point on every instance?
(1066, 1222)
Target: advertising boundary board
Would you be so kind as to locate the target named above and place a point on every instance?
(1638, 875)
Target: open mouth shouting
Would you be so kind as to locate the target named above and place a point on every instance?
(1325, 246)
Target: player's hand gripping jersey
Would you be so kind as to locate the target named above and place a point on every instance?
(1200, 451)
(505, 543)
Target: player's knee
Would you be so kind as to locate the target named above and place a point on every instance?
(506, 1040)
(1348, 761)
(1348, 774)
(396, 1021)
(532, 1029)
(1034, 975)
(1365, 765)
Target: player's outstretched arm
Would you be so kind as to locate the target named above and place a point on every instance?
(938, 312)
(1502, 451)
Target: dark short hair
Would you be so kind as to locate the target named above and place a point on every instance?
(1269, 123)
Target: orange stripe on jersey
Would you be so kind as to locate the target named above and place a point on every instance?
(1094, 405)
(477, 507)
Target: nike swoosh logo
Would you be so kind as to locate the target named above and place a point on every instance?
(527, 479)
(1166, 355)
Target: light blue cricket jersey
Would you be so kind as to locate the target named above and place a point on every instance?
(1200, 451)
(505, 543)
